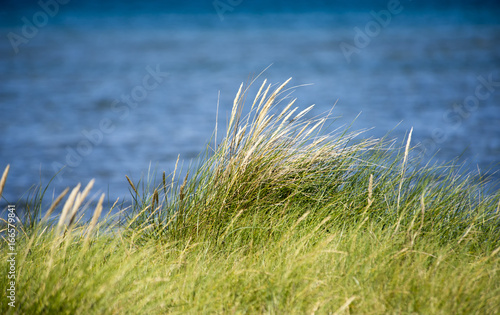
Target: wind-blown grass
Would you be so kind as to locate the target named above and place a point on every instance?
(277, 218)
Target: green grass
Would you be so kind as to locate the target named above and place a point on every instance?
(278, 218)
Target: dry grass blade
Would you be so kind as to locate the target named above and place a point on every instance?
(234, 110)
(263, 96)
(262, 119)
(465, 234)
(495, 252)
(79, 200)
(302, 218)
(302, 113)
(370, 190)
(175, 172)
(131, 184)
(287, 108)
(223, 236)
(4, 179)
(318, 124)
(345, 307)
(422, 206)
(258, 93)
(95, 217)
(403, 167)
(54, 204)
(67, 206)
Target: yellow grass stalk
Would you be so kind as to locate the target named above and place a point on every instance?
(175, 171)
(54, 204)
(403, 167)
(319, 123)
(131, 221)
(287, 118)
(67, 206)
(248, 154)
(306, 125)
(263, 97)
(95, 217)
(223, 236)
(370, 191)
(239, 137)
(302, 113)
(302, 218)
(258, 94)
(345, 307)
(466, 233)
(262, 118)
(287, 108)
(234, 110)
(4, 179)
(79, 200)
(422, 206)
(495, 252)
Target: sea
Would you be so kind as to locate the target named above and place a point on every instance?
(103, 89)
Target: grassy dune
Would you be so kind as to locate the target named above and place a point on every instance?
(278, 218)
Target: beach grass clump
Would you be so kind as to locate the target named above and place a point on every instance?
(277, 218)
(267, 161)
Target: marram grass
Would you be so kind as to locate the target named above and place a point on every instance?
(278, 218)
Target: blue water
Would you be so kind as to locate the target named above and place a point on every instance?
(62, 83)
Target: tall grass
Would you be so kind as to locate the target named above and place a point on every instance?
(277, 218)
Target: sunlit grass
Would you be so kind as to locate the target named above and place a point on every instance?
(277, 218)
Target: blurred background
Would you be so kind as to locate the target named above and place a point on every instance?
(112, 88)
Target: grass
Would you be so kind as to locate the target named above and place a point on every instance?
(278, 218)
